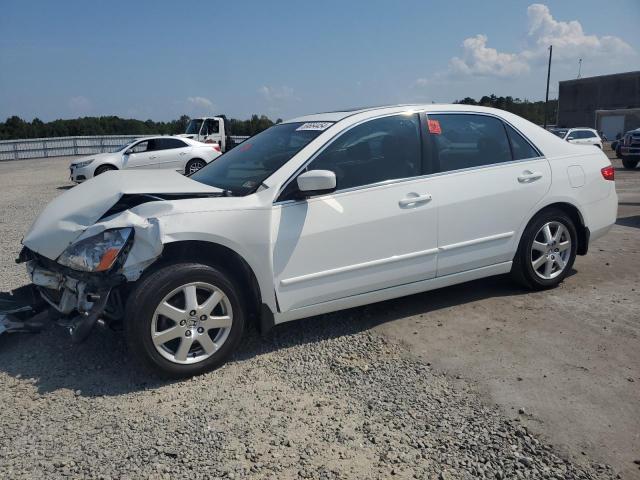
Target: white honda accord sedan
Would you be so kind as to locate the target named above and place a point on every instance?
(181, 154)
(317, 214)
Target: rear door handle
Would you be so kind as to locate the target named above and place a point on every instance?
(412, 199)
(528, 176)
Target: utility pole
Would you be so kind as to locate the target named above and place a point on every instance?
(546, 99)
(579, 67)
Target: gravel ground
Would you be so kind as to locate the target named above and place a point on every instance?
(322, 398)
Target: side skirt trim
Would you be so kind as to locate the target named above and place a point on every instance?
(392, 292)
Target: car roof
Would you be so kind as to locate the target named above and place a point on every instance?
(337, 116)
(155, 137)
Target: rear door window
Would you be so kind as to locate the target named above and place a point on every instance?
(462, 141)
(168, 143)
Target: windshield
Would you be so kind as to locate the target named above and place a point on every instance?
(242, 169)
(194, 126)
(560, 132)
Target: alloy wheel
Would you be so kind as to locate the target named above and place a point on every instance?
(195, 166)
(551, 250)
(191, 323)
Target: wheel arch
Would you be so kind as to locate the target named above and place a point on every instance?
(102, 165)
(574, 213)
(229, 261)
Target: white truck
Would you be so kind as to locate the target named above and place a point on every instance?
(212, 130)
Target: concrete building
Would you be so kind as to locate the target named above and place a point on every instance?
(608, 103)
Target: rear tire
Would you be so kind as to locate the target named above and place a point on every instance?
(546, 251)
(194, 165)
(193, 340)
(103, 168)
(629, 163)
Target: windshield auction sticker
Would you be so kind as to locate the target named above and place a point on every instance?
(319, 126)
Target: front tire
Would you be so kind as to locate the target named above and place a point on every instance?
(184, 319)
(629, 163)
(547, 250)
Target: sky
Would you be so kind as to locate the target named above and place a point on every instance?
(161, 59)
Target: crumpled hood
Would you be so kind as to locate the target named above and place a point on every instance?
(70, 214)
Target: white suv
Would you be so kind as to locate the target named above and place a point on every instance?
(579, 136)
(317, 214)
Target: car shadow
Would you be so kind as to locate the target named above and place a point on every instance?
(633, 221)
(65, 187)
(102, 367)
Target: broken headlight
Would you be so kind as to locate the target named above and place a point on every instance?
(97, 253)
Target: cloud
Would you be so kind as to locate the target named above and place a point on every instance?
(478, 59)
(80, 105)
(277, 94)
(568, 39)
(200, 102)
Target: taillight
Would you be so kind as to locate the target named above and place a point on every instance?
(608, 173)
(216, 147)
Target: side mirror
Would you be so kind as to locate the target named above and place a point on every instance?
(316, 182)
(129, 152)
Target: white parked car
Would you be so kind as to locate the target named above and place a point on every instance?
(317, 214)
(579, 136)
(180, 154)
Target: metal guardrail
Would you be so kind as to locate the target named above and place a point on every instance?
(67, 146)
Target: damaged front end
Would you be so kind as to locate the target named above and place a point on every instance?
(79, 298)
(91, 243)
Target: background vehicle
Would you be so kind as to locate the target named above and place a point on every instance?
(211, 130)
(629, 147)
(181, 154)
(579, 136)
(313, 215)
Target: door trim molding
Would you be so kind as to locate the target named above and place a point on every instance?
(475, 241)
(395, 258)
(358, 266)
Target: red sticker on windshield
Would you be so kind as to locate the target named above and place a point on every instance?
(434, 127)
(245, 147)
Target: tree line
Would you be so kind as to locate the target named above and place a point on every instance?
(17, 128)
(532, 111)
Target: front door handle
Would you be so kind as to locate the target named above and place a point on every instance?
(151, 158)
(528, 176)
(413, 199)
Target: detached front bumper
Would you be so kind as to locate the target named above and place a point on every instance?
(81, 299)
